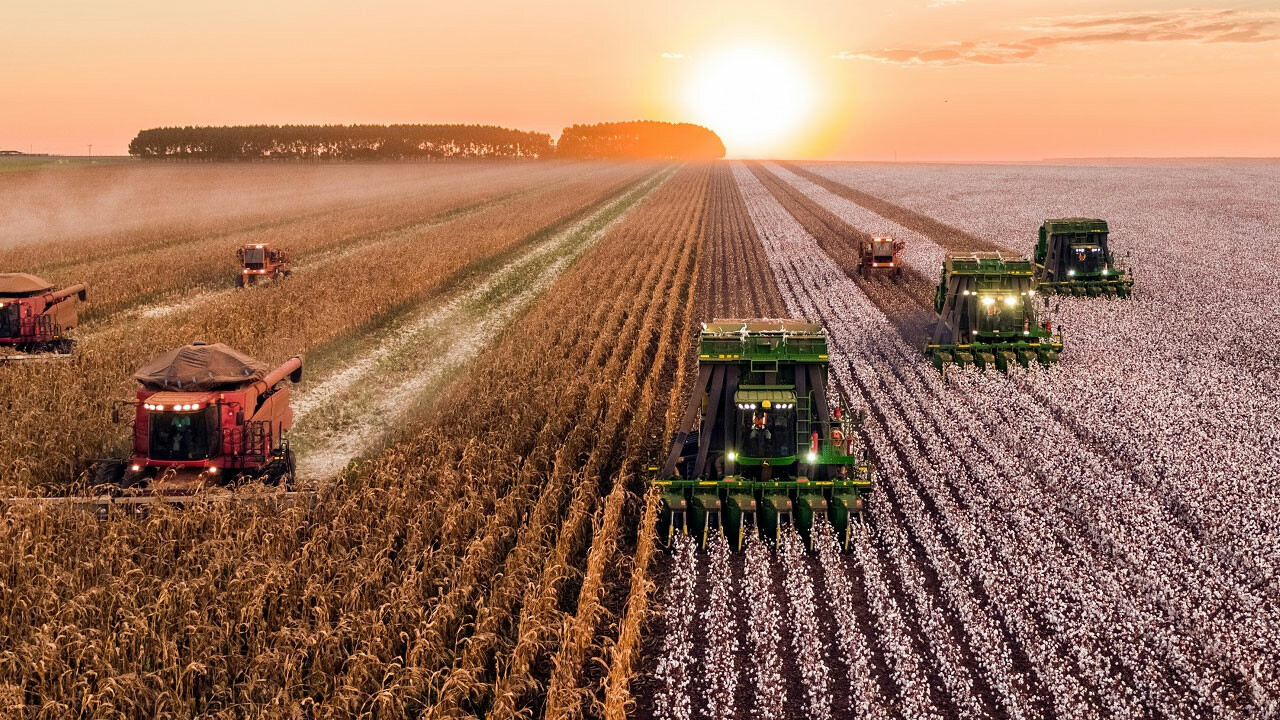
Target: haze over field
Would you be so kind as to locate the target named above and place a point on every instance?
(877, 80)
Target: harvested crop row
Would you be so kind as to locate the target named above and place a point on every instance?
(908, 305)
(64, 406)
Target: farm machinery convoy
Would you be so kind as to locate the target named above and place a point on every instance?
(760, 446)
(35, 318)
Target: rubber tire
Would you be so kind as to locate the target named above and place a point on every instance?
(106, 473)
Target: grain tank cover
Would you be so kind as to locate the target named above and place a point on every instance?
(201, 367)
(22, 285)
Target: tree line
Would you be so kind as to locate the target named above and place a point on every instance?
(641, 139)
(636, 140)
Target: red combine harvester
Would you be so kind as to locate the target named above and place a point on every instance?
(262, 261)
(34, 318)
(880, 255)
(205, 415)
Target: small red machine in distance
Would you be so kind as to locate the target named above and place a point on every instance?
(206, 415)
(880, 255)
(35, 318)
(258, 262)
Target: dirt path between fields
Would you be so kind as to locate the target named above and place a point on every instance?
(347, 413)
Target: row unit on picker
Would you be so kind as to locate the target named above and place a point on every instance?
(987, 314)
(760, 444)
(35, 317)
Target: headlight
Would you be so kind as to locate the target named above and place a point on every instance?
(812, 457)
(988, 300)
(1071, 272)
(1010, 300)
(732, 456)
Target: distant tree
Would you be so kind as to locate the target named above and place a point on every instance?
(642, 139)
(338, 142)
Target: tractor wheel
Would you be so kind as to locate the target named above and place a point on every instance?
(242, 281)
(106, 474)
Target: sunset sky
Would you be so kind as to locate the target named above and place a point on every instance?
(866, 80)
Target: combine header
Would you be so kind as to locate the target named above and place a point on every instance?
(34, 318)
(759, 446)
(880, 255)
(1072, 258)
(262, 261)
(205, 415)
(987, 315)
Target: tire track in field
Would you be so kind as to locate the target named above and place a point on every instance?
(365, 400)
(907, 304)
(343, 248)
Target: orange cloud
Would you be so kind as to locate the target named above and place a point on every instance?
(1190, 25)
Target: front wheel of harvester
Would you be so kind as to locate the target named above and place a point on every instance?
(106, 475)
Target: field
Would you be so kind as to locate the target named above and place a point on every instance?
(493, 353)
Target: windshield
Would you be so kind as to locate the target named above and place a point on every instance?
(767, 433)
(1006, 312)
(9, 320)
(253, 256)
(883, 252)
(1085, 259)
(184, 435)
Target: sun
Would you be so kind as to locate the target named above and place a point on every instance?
(756, 97)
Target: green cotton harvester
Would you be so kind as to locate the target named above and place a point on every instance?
(761, 445)
(987, 314)
(1072, 258)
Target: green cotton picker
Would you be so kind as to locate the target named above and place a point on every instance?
(761, 445)
(1072, 258)
(987, 314)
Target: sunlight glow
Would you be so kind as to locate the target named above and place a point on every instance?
(755, 97)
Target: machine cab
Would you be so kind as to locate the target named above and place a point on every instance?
(10, 318)
(882, 251)
(254, 257)
(766, 425)
(180, 427)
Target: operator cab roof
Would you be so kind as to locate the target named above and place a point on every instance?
(22, 285)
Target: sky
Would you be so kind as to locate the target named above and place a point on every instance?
(911, 80)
